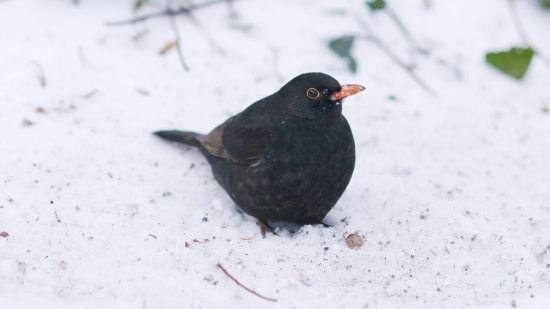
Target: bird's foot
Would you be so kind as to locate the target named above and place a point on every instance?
(264, 227)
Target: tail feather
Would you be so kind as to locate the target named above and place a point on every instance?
(188, 138)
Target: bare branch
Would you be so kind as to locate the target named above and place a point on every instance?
(405, 32)
(244, 287)
(417, 47)
(371, 37)
(171, 13)
(41, 77)
(178, 39)
(90, 94)
(517, 23)
(167, 12)
(140, 34)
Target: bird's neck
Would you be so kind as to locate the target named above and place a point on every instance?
(320, 119)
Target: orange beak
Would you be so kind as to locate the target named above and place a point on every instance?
(346, 90)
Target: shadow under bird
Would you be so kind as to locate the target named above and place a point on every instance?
(287, 157)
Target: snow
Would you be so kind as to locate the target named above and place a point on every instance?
(450, 192)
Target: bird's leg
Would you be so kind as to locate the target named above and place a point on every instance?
(264, 227)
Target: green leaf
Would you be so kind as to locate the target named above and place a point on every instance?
(342, 46)
(513, 62)
(376, 5)
(139, 4)
(352, 64)
(546, 3)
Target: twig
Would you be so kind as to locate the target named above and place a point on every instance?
(89, 94)
(244, 287)
(140, 34)
(145, 17)
(190, 168)
(400, 63)
(178, 40)
(405, 32)
(167, 12)
(523, 34)
(171, 13)
(41, 77)
(517, 23)
(455, 69)
(417, 48)
(395, 59)
(55, 211)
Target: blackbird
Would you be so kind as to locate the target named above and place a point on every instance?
(287, 157)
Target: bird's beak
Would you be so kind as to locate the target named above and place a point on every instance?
(346, 90)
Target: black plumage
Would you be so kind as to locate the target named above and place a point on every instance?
(287, 157)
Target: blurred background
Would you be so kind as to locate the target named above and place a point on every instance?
(450, 191)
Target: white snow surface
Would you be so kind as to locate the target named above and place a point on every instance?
(451, 193)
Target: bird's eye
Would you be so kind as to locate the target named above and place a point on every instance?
(312, 93)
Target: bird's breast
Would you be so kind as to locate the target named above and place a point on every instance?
(302, 150)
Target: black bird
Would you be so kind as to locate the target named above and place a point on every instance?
(287, 157)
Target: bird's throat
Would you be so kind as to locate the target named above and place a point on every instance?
(319, 117)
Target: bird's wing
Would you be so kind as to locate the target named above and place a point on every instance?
(241, 139)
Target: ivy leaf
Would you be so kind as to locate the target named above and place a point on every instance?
(376, 5)
(352, 64)
(139, 4)
(342, 46)
(513, 62)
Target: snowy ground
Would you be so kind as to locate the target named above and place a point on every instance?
(450, 193)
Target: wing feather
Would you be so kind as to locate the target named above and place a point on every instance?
(244, 138)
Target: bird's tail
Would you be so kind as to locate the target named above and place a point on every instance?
(188, 138)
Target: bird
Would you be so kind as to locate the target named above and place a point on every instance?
(287, 157)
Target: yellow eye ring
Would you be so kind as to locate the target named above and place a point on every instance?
(313, 93)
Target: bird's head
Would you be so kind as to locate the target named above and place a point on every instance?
(317, 97)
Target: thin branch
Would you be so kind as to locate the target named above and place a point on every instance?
(171, 13)
(454, 68)
(400, 63)
(523, 34)
(140, 34)
(145, 17)
(517, 23)
(41, 77)
(405, 32)
(89, 94)
(190, 168)
(167, 12)
(244, 287)
(417, 48)
(178, 39)
(395, 59)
